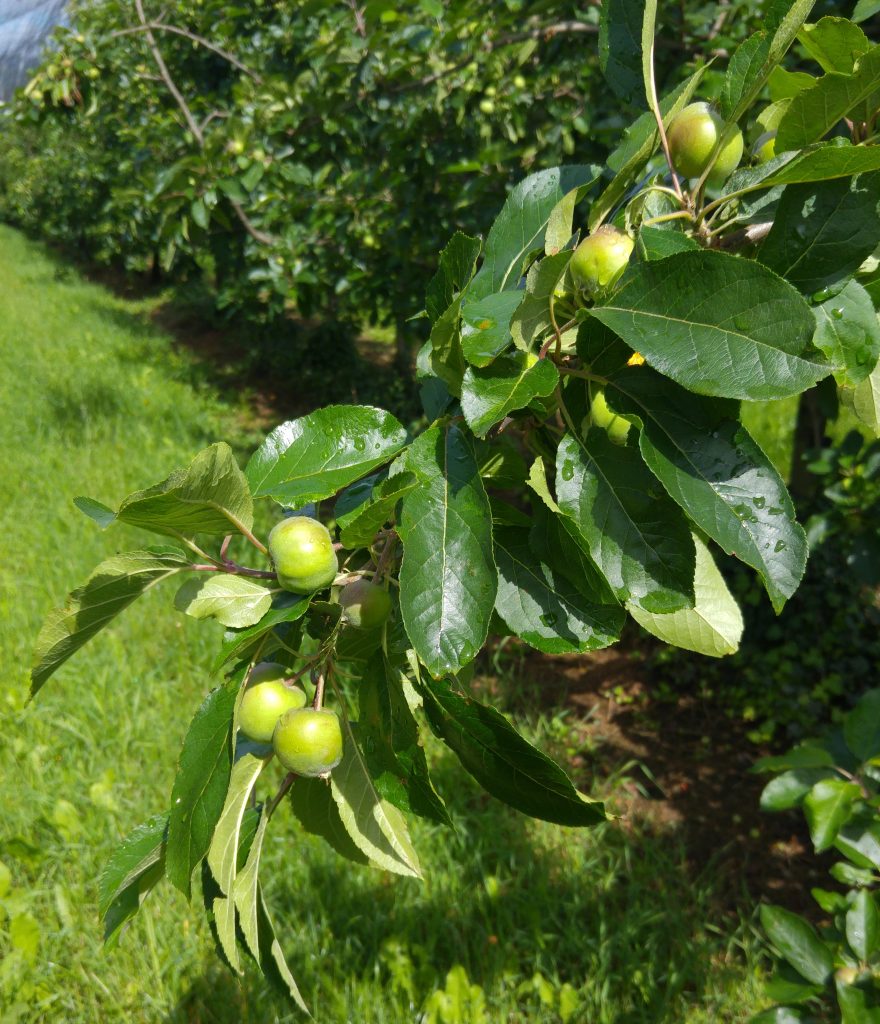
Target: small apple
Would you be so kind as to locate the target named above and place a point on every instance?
(487, 106)
(302, 552)
(765, 147)
(692, 136)
(308, 741)
(264, 703)
(615, 426)
(366, 605)
(600, 258)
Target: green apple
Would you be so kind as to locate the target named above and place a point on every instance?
(765, 147)
(302, 552)
(692, 136)
(615, 426)
(263, 704)
(600, 258)
(308, 741)
(366, 605)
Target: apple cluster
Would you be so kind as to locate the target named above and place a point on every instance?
(306, 740)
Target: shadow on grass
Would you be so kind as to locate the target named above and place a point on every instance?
(617, 915)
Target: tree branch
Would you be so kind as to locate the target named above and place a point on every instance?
(193, 125)
(160, 26)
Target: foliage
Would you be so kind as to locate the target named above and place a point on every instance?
(835, 606)
(646, 940)
(510, 510)
(837, 785)
(265, 186)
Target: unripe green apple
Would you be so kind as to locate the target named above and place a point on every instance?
(487, 107)
(615, 426)
(692, 136)
(302, 552)
(765, 147)
(366, 605)
(308, 741)
(600, 258)
(263, 704)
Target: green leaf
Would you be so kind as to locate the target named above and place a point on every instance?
(535, 317)
(360, 527)
(717, 324)
(848, 874)
(110, 589)
(798, 943)
(834, 44)
(510, 383)
(827, 806)
(713, 627)
(640, 141)
(272, 958)
(485, 326)
(315, 456)
(223, 850)
(620, 48)
(859, 1004)
(559, 226)
(96, 510)
(223, 910)
(457, 264)
(822, 232)
(837, 159)
(636, 536)
(786, 986)
(135, 866)
(861, 728)
(318, 814)
(504, 764)
(849, 334)
(656, 243)
(815, 111)
(246, 891)
(865, 400)
(235, 601)
(376, 827)
(286, 608)
(389, 741)
(519, 230)
(865, 9)
(710, 465)
(789, 789)
(750, 71)
(200, 786)
(445, 357)
(805, 756)
(210, 496)
(447, 579)
(545, 608)
(861, 843)
(863, 925)
(141, 849)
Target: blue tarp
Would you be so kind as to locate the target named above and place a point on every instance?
(24, 26)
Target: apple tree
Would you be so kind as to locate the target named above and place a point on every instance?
(581, 460)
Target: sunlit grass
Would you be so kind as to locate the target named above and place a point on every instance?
(608, 926)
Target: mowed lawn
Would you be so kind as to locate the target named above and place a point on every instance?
(515, 921)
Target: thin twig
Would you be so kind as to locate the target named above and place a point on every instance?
(288, 781)
(233, 570)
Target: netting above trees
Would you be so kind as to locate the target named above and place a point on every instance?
(24, 26)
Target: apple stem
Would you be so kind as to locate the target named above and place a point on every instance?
(319, 691)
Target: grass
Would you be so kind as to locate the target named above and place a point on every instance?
(516, 920)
